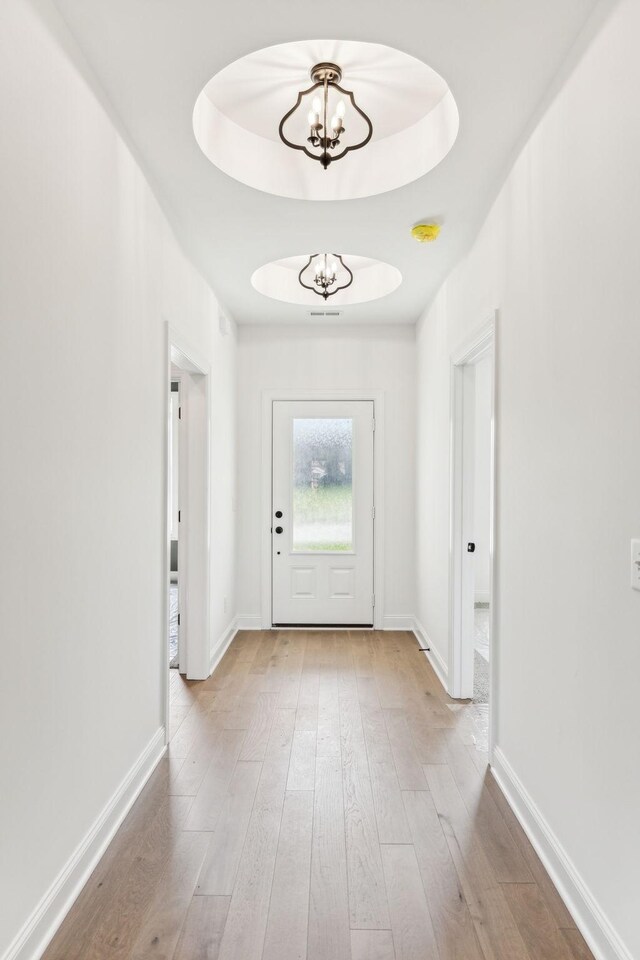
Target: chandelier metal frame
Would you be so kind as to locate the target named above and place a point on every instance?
(325, 75)
(327, 281)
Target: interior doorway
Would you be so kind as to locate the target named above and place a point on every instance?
(323, 513)
(472, 631)
(482, 372)
(186, 640)
(173, 521)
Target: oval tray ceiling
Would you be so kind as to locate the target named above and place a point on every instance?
(414, 115)
(372, 279)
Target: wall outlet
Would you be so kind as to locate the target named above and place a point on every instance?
(635, 564)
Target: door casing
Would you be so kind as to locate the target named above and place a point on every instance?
(195, 496)
(268, 398)
(480, 343)
(324, 609)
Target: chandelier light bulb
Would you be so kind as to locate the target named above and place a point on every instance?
(324, 139)
(324, 279)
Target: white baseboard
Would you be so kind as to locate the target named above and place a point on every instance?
(397, 621)
(222, 645)
(37, 932)
(246, 622)
(594, 926)
(440, 667)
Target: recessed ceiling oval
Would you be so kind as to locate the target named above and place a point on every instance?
(372, 279)
(413, 115)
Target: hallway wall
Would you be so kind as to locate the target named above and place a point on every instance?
(89, 273)
(558, 256)
(378, 358)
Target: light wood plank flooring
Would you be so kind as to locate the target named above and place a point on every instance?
(321, 799)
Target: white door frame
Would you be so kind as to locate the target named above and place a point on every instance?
(268, 398)
(479, 344)
(195, 506)
(182, 454)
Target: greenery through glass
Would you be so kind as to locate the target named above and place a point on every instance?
(322, 485)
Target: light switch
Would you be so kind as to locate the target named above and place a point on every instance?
(635, 564)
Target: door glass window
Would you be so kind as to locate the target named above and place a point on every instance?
(322, 485)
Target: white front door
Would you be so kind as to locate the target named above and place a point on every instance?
(322, 512)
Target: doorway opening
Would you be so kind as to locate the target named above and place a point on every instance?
(472, 633)
(173, 520)
(481, 520)
(186, 640)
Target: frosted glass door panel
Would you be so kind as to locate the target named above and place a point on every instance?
(322, 485)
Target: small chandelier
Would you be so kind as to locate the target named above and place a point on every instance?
(326, 116)
(324, 277)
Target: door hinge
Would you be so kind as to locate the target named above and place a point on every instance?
(178, 619)
(373, 512)
(179, 413)
(373, 599)
(373, 424)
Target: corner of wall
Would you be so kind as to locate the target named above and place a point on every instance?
(440, 667)
(581, 903)
(33, 938)
(222, 644)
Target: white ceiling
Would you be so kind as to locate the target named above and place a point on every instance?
(415, 120)
(153, 57)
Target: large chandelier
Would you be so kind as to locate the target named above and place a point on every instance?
(324, 275)
(325, 117)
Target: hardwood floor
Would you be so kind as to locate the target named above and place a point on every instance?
(321, 798)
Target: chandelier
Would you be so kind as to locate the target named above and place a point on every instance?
(324, 274)
(326, 116)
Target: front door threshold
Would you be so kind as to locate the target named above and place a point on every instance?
(327, 626)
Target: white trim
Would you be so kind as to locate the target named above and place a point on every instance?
(398, 621)
(32, 940)
(223, 644)
(268, 398)
(249, 622)
(186, 357)
(590, 919)
(480, 343)
(475, 346)
(437, 662)
(166, 558)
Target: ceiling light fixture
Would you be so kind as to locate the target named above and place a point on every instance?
(326, 115)
(325, 274)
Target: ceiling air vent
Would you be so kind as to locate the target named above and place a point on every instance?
(324, 314)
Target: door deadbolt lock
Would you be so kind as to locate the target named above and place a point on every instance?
(471, 548)
(278, 514)
(279, 529)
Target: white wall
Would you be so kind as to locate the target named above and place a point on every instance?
(482, 479)
(286, 357)
(89, 273)
(558, 255)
